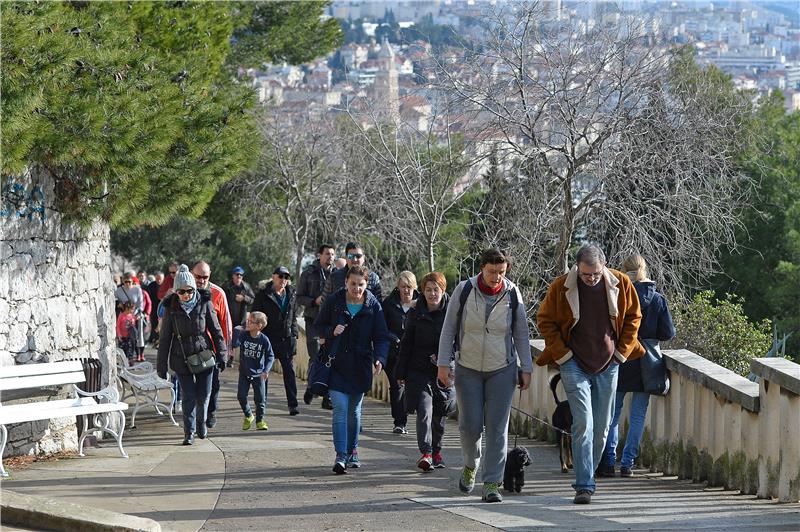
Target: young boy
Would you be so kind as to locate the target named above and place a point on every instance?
(255, 361)
(126, 328)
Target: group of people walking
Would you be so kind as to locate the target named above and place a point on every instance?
(469, 349)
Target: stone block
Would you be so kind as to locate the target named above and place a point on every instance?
(17, 337)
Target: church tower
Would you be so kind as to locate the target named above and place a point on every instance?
(386, 93)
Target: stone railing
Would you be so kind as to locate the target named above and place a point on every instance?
(714, 426)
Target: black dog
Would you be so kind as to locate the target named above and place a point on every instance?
(516, 462)
(562, 420)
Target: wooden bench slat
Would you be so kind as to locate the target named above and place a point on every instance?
(8, 414)
(23, 370)
(37, 381)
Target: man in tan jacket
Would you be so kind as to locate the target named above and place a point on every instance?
(589, 321)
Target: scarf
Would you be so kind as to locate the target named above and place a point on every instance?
(488, 290)
(188, 307)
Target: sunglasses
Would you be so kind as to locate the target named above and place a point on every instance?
(237, 274)
(127, 282)
(173, 273)
(284, 276)
(352, 256)
(185, 291)
(201, 277)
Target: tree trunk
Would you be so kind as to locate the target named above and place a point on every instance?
(431, 257)
(567, 230)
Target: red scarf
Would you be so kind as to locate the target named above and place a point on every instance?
(488, 290)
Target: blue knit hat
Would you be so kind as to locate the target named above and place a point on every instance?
(184, 278)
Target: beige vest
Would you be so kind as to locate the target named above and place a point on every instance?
(483, 345)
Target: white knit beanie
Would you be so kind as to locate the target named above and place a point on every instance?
(184, 278)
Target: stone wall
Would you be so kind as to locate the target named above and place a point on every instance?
(56, 298)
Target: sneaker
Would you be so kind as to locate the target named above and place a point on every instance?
(426, 462)
(248, 422)
(399, 429)
(339, 466)
(293, 411)
(326, 403)
(491, 492)
(625, 472)
(211, 421)
(467, 481)
(308, 397)
(261, 425)
(353, 461)
(438, 461)
(583, 497)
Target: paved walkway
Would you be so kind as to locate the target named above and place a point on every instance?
(281, 480)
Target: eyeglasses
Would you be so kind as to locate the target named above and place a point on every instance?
(596, 275)
(352, 256)
(185, 291)
(201, 277)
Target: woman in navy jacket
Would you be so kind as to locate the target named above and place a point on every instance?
(352, 323)
(656, 325)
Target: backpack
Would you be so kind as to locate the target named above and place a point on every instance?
(462, 300)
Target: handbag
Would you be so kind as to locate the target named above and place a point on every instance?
(319, 374)
(197, 362)
(655, 378)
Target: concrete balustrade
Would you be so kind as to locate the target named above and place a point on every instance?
(714, 426)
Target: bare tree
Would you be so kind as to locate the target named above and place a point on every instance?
(601, 141)
(295, 177)
(419, 175)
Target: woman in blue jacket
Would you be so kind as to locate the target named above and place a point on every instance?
(352, 323)
(656, 325)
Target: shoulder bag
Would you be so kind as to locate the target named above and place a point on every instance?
(197, 362)
(319, 374)
(655, 378)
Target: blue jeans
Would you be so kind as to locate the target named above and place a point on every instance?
(345, 421)
(591, 400)
(196, 390)
(635, 429)
(213, 400)
(259, 395)
(484, 399)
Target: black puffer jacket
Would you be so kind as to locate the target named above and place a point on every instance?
(312, 282)
(197, 330)
(419, 346)
(281, 327)
(420, 341)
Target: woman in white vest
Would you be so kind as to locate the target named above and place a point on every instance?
(486, 332)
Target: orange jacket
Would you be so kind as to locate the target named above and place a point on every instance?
(560, 312)
(220, 304)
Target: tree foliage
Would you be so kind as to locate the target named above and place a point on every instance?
(765, 267)
(719, 330)
(131, 107)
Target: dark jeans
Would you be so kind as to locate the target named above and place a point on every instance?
(259, 395)
(430, 427)
(213, 403)
(196, 390)
(289, 382)
(396, 393)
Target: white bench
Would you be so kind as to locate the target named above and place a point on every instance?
(29, 376)
(143, 386)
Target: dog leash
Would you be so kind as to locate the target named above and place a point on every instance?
(543, 422)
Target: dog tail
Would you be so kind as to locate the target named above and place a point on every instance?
(553, 384)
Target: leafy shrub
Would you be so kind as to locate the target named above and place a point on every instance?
(718, 329)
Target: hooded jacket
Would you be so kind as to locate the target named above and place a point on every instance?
(364, 341)
(560, 312)
(185, 334)
(656, 325)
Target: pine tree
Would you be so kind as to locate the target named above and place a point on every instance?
(133, 108)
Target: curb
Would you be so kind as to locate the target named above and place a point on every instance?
(39, 513)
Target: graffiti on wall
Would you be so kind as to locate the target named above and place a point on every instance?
(20, 201)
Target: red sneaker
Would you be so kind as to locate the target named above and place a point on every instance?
(438, 461)
(426, 462)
